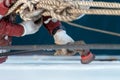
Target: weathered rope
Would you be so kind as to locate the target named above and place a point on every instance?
(72, 9)
(67, 10)
(96, 12)
(97, 4)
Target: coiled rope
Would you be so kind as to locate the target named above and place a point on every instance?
(68, 10)
(71, 9)
(113, 9)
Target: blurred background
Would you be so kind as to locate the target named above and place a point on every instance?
(109, 23)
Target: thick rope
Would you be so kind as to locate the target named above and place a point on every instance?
(74, 8)
(97, 4)
(87, 11)
(69, 10)
(96, 11)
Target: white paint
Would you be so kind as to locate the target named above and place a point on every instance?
(49, 68)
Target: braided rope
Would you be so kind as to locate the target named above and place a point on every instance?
(68, 10)
(97, 4)
(73, 9)
(95, 11)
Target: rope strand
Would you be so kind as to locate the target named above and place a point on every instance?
(93, 29)
(71, 8)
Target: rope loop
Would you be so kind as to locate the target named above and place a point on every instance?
(65, 10)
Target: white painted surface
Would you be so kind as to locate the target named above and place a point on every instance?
(47, 68)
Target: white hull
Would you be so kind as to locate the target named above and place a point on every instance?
(57, 68)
